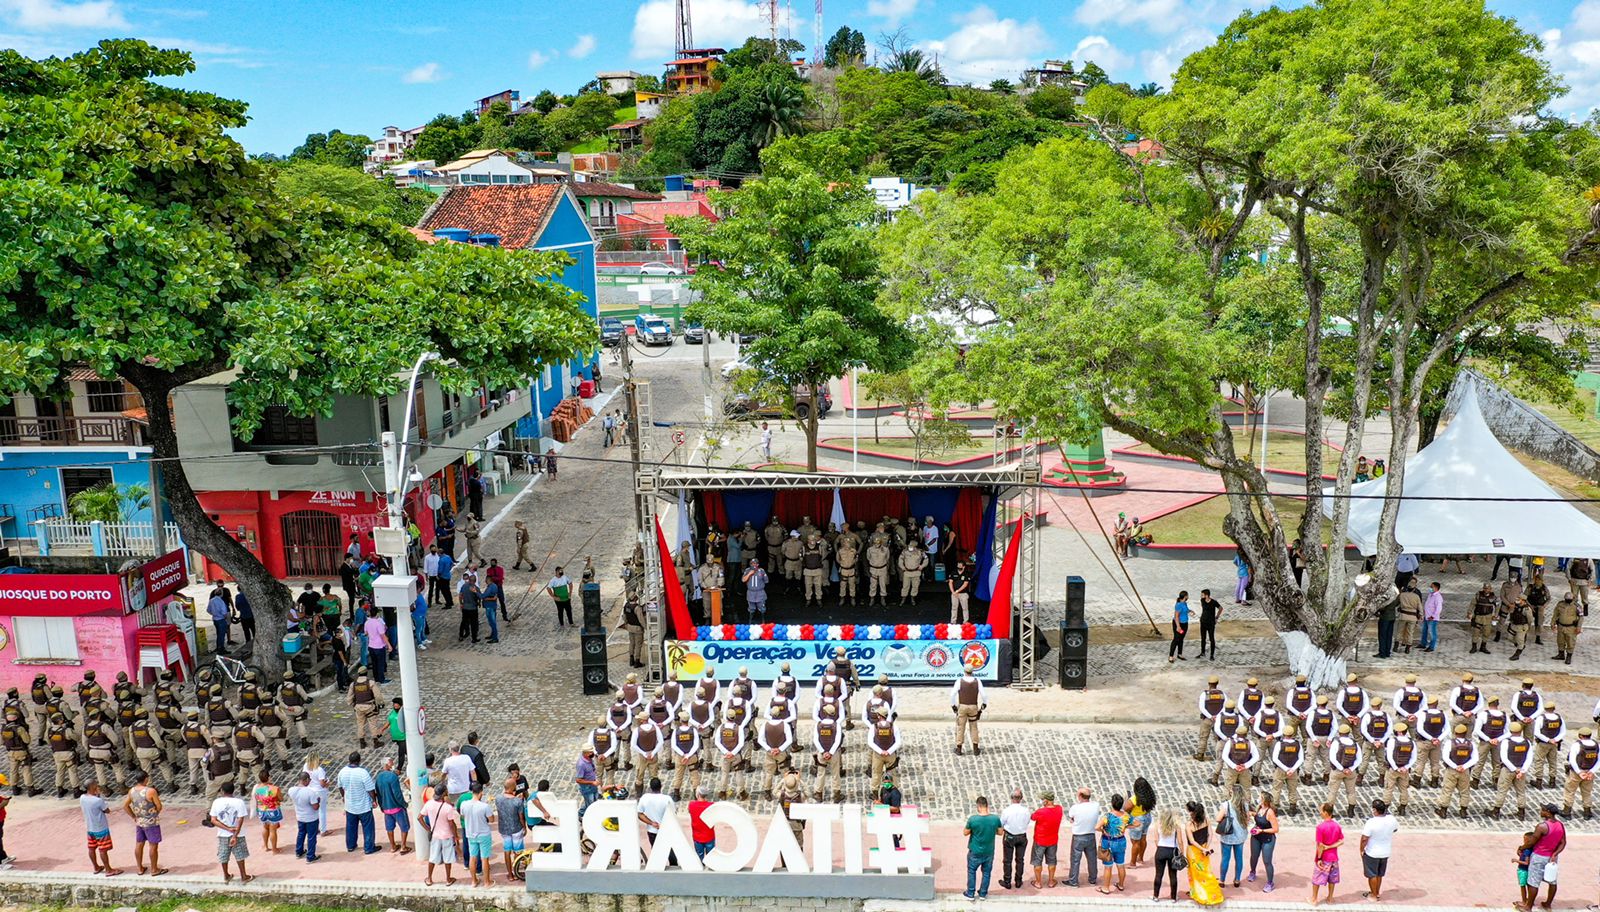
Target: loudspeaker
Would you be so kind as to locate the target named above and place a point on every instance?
(1074, 613)
(591, 606)
(1074, 660)
(593, 647)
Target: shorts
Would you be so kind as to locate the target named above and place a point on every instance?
(479, 846)
(1374, 867)
(101, 840)
(1327, 874)
(396, 818)
(1522, 876)
(441, 851)
(150, 834)
(1536, 865)
(513, 843)
(1043, 855)
(1118, 850)
(273, 816)
(239, 850)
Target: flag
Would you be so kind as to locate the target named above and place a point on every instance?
(677, 608)
(1000, 604)
(686, 534)
(837, 518)
(985, 569)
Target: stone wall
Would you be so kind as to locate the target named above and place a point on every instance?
(1523, 428)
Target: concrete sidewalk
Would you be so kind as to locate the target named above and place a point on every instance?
(1431, 869)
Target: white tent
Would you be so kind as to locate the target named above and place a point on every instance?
(1511, 511)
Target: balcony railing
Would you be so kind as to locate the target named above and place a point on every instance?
(109, 430)
(606, 222)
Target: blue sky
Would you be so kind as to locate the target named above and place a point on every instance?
(314, 65)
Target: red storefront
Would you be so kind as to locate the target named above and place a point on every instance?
(304, 534)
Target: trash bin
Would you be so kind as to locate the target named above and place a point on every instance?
(586, 389)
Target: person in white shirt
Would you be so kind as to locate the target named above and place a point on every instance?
(1014, 840)
(1377, 844)
(1084, 816)
(766, 441)
(458, 771)
(228, 815)
(654, 808)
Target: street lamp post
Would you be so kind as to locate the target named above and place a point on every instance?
(402, 587)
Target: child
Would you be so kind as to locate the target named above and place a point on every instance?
(522, 781)
(1524, 853)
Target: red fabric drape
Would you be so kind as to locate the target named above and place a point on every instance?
(677, 608)
(711, 510)
(968, 520)
(1000, 602)
(871, 505)
(793, 505)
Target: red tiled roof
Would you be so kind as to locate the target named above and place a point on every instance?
(515, 212)
(592, 189)
(658, 211)
(626, 125)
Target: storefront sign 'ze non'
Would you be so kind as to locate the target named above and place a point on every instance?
(743, 844)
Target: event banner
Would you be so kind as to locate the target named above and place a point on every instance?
(901, 660)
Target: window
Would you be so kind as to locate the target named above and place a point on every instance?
(502, 178)
(383, 413)
(75, 480)
(105, 396)
(279, 428)
(546, 379)
(42, 639)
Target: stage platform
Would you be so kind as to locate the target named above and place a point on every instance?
(787, 606)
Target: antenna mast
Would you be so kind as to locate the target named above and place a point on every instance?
(816, 37)
(683, 39)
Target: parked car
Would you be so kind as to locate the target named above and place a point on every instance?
(659, 268)
(694, 333)
(735, 366)
(746, 406)
(652, 330)
(611, 331)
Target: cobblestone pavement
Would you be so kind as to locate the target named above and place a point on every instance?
(523, 696)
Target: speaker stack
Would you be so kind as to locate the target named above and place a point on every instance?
(592, 643)
(1074, 660)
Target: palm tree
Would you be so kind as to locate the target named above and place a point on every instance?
(780, 109)
(914, 60)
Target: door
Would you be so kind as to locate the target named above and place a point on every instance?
(311, 543)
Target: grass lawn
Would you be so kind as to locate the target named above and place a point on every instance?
(1585, 427)
(1201, 524)
(594, 144)
(1284, 451)
(784, 467)
(1564, 482)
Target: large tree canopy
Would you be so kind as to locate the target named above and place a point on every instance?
(1386, 165)
(144, 243)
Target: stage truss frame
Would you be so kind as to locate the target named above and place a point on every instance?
(1016, 487)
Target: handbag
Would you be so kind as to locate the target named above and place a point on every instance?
(1105, 855)
(1225, 826)
(1179, 862)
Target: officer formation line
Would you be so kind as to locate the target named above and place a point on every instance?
(1412, 740)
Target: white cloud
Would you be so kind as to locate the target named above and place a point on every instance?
(986, 47)
(211, 52)
(1106, 55)
(43, 15)
(1159, 64)
(1574, 53)
(537, 59)
(425, 73)
(1160, 16)
(582, 48)
(717, 23)
(891, 11)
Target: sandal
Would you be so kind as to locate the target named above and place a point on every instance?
(427, 882)
(160, 871)
(247, 878)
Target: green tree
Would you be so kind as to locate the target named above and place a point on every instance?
(109, 503)
(781, 108)
(1388, 161)
(847, 48)
(309, 181)
(445, 139)
(916, 62)
(731, 122)
(1093, 75)
(649, 82)
(1148, 90)
(493, 129)
(670, 139)
(799, 271)
(526, 133)
(1052, 103)
(545, 101)
(144, 243)
(334, 147)
(588, 116)
(1003, 86)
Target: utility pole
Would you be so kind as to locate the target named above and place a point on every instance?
(401, 586)
(635, 433)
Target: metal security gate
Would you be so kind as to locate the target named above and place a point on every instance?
(312, 543)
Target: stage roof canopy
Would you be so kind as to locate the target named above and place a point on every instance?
(1487, 502)
(946, 478)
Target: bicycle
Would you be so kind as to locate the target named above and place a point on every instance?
(232, 670)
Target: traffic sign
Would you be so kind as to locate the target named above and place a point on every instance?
(422, 720)
(679, 437)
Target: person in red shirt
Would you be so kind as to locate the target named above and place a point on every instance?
(1046, 833)
(703, 834)
(497, 575)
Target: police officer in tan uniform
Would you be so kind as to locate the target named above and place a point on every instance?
(219, 717)
(814, 568)
(1460, 758)
(249, 750)
(1433, 730)
(848, 557)
(38, 705)
(775, 738)
(1516, 765)
(1288, 757)
(14, 737)
(603, 741)
(913, 560)
(827, 740)
(274, 734)
(647, 746)
(296, 705)
(878, 559)
(1344, 763)
(685, 750)
(149, 751)
(1485, 610)
(1211, 702)
(63, 743)
(1568, 624)
(100, 743)
(251, 697)
(731, 747)
(968, 702)
(1493, 725)
(1320, 730)
(1583, 761)
(1400, 758)
(367, 701)
(1239, 756)
(773, 537)
(792, 550)
(1549, 729)
(195, 744)
(221, 766)
(883, 740)
(1375, 730)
